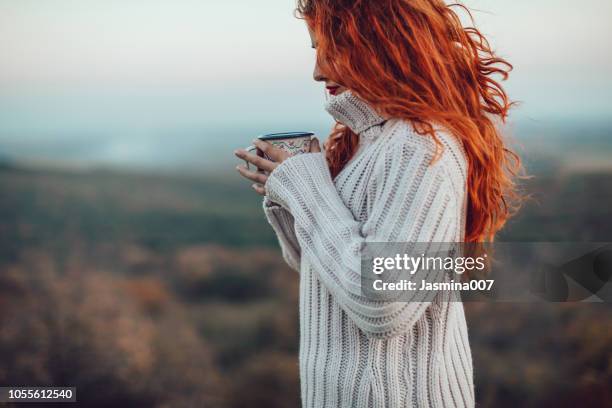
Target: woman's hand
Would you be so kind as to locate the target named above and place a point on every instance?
(277, 155)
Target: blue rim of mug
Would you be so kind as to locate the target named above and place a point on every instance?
(284, 135)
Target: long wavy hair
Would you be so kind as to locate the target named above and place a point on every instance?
(414, 60)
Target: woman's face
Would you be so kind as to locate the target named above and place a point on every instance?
(319, 74)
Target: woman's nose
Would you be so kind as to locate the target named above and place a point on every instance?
(317, 74)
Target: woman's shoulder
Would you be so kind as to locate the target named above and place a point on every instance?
(449, 153)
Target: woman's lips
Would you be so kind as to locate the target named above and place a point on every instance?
(332, 89)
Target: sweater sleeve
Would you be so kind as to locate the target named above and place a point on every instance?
(282, 222)
(411, 200)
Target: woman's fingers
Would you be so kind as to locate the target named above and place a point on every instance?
(269, 150)
(257, 161)
(273, 152)
(259, 189)
(251, 175)
(315, 146)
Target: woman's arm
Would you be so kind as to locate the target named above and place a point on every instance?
(413, 201)
(282, 222)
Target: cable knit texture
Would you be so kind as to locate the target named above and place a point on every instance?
(356, 352)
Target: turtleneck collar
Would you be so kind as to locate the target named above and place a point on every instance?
(355, 113)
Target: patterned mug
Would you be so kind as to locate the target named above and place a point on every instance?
(291, 142)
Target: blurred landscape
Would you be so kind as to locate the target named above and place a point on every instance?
(168, 289)
(136, 266)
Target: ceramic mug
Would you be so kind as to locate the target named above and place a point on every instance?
(291, 142)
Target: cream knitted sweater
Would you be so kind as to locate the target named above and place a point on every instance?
(355, 352)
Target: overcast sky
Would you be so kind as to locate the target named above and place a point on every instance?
(130, 68)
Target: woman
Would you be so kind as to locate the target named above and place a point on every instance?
(415, 156)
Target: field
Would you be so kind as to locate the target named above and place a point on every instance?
(168, 290)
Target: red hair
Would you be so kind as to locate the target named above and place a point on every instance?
(414, 60)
